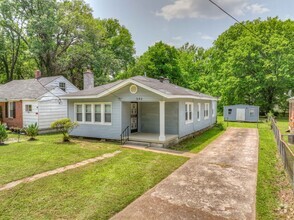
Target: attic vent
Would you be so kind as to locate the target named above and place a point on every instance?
(133, 89)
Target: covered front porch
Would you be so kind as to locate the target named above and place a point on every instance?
(151, 122)
(152, 137)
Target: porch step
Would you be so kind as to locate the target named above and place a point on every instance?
(138, 143)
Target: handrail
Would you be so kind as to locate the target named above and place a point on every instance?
(125, 135)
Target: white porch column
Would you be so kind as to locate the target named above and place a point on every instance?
(162, 120)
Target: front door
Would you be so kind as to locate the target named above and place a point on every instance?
(240, 114)
(134, 117)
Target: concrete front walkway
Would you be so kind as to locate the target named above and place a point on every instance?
(219, 183)
(56, 171)
(161, 150)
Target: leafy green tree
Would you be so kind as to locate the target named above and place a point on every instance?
(32, 131)
(65, 126)
(159, 60)
(3, 134)
(254, 68)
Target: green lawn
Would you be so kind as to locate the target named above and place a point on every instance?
(99, 190)
(269, 175)
(198, 143)
(96, 191)
(19, 160)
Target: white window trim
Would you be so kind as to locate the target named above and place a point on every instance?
(9, 115)
(199, 111)
(206, 108)
(61, 87)
(213, 109)
(27, 105)
(93, 113)
(190, 120)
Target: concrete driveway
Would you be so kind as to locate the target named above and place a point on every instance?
(219, 183)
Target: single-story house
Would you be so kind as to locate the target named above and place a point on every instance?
(25, 102)
(146, 109)
(291, 113)
(248, 113)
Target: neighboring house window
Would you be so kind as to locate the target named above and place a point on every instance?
(188, 112)
(88, 116)
(11, 109)
(28, 108)
(62, 86)
(251, 112)
(98, 113)
(79, 113)
(229, 111)
(206, 111)
(198, 112)
(94, 113)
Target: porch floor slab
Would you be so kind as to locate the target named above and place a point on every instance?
(151, 137)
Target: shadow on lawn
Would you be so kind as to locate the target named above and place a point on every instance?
(199, 142)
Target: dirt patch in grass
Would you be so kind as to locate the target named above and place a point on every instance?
(286, 195)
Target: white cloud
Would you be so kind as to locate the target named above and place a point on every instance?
(204, 9)
(257, 9)
(177, 38)
(205, 36)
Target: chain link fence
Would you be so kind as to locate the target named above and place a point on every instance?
(286, 154)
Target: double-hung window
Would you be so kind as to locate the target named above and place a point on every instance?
(189, 112)
(88, 114)
(198, 111)
(79, 113)
(62, 86)
(28, 108)
(107, 112)
(93, 113)
(98, 113)
(206, 111)
(10, 109)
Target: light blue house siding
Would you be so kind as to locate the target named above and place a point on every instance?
(112, 131)
(148, 114)
(247, 113)
(198, 123)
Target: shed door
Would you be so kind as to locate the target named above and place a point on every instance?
(240, 116)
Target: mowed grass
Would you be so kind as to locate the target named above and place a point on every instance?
(268, 185)
(198, 143)
(283, 125)
(26, 158)
(95, 191)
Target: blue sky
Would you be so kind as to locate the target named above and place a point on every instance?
(178, 21)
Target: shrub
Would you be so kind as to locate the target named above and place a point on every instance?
(65, 126)
(3, 134)
(32, 131)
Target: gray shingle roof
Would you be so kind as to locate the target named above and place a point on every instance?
(165, 88)
(94, 91)
(25, 89)
(168, 88)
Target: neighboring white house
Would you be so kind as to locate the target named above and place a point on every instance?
(25, 102)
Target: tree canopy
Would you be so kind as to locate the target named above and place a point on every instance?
(246, 65)
(60, 38)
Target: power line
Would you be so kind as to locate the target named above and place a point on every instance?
(59, 99)
(235, 19)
